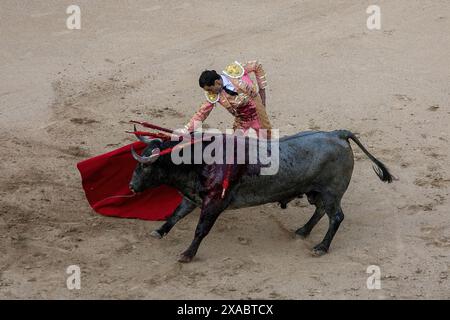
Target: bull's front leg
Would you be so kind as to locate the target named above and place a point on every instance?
(185, 207)
(212, 207)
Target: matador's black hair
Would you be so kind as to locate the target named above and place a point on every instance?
(208, 77)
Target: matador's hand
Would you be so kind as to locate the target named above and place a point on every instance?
(180, 132)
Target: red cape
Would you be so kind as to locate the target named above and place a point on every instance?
(105, 180)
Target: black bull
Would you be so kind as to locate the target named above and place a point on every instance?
(318, 164)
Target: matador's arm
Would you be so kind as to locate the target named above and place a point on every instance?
(199, 116)
(257, 68)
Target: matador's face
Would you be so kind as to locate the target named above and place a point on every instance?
(216, 88)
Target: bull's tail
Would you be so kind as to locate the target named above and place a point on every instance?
(380, 169)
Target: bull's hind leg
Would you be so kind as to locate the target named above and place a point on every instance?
(304, 231)
(185, 207)
(336, 216)
(315, 199)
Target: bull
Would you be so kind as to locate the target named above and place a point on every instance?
(317, 164)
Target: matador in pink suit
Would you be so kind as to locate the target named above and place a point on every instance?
(237, 93)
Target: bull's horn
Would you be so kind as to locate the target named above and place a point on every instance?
(144, 139)
(149, 159)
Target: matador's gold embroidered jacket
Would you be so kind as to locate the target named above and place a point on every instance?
(246, 107)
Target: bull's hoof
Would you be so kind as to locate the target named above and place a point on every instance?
(184, 259)
(319, 250)
(302, 233)
(156, 234)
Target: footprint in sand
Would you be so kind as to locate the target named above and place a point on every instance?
(312, 125)
(433, 179)
(163, 112)
(415, 208)
(403, 97)
(76, 152)
(440, 242)
(244, 241)
(83, 121)
(433, 108)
